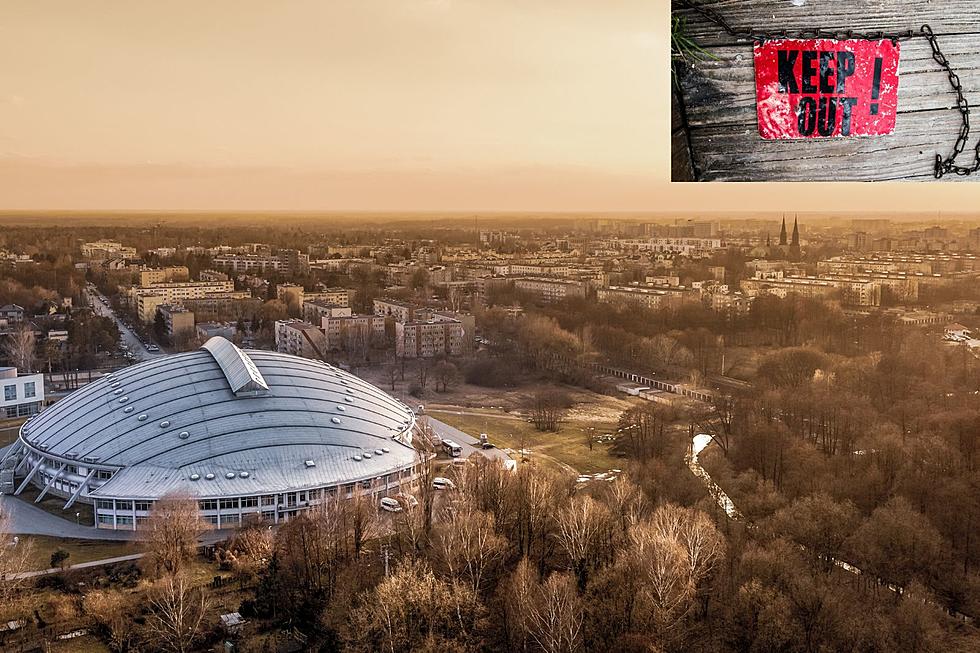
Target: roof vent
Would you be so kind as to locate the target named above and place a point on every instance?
(141, 418)
(183, 435)
(366, 454)
(164, 424)
(349, 400)
(123, 400)
(386, 449)
(117, 391)
(115, 384)
(341, 408)
(128, 409)
(310, 463)
(243, 474)
(335, 420)
(209, 476)
(195, 477)
(357, 458)
(230, 475)
(378, 452)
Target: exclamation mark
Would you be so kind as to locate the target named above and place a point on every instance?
(876, 86)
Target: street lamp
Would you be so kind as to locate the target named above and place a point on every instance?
(77, 518)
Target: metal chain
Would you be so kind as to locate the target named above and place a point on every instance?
(942, 166)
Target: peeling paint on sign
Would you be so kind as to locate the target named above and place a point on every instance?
(822, 88)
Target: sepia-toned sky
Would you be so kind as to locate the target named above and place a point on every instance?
(532, 105)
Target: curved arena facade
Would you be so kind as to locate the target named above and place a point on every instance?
(245, 432)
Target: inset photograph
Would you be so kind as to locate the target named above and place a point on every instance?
(803, 90)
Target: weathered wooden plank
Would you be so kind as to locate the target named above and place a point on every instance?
(719, 94)
(944, 16)
(723, 90)
(736, 153)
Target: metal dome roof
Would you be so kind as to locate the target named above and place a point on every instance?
(222, 411)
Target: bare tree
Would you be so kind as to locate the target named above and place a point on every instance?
(177, 612)
(626, 501)
(392, 373)
(19, 348)
(412, 609)
(445, 374)
(518, 599)
(584, 530)
(171, 533)
(547, 409)
(15, 560)
(468, 545)
(557, 615)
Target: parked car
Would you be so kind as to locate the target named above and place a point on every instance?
(440, 483)
(390, 504)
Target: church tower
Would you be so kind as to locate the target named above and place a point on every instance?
(794, 246)
(782, 233)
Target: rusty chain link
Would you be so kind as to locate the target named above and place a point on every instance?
(942, 166)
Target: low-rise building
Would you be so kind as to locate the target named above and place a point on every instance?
(105, 249)
(207, 330)
(337, 296)
(23, 395)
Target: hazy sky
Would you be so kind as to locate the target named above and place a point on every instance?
(414, 104)
(356, 104)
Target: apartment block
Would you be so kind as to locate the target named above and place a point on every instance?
(146, 299)
(550, 290)
(440, 335)
(164, 275)
(178, 320)
(315, 310)
(353, 332)
(299, 338)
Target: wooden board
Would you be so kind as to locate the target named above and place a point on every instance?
(719, 93)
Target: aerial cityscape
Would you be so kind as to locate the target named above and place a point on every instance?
(491, 432)
(393, 326)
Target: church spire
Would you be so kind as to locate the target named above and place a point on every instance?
(796, 233)
(782, 232)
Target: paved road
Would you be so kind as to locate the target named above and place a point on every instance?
(80, 565)
(468, 443)
(128, 337)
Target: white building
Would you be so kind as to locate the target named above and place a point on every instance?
(22, 395)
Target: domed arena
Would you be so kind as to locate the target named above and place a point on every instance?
(247, 433)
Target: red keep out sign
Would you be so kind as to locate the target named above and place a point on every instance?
(821, 87)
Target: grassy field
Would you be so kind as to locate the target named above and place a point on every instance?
(80, 550)
(569, 445)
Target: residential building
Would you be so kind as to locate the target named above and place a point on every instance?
(147, 298)
(105, 249)
(164, 275)
(300, 338)
(550, 290)
(439, 335)
(11, 315)
(337, 296)
(399, 311)
(316, 309)
(178, 320)
(353, 332)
